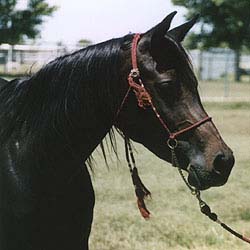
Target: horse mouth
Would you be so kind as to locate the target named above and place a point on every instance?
(202, 180)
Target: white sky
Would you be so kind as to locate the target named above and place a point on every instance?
(99, 20)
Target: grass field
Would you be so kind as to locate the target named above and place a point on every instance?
(176, 222)
(218, 91)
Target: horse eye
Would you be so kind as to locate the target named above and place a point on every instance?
(165, 84)
(161, 68)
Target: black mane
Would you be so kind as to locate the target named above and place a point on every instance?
(53, 100)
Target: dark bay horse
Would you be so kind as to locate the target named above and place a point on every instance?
(51, 122)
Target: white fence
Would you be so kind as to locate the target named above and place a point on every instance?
(218, 63)
(21, 59)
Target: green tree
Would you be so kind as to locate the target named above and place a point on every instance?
(16, 24)
(223, 23)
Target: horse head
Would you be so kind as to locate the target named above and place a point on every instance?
(167, 75)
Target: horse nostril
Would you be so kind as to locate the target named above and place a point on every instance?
(219, 163)
(223, 163)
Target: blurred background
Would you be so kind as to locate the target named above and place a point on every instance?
(34, 32)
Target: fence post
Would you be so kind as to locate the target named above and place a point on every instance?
(8, 67)
(226, 81)
(209, 65)
(200, 64)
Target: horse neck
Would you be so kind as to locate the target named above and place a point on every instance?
(92, 124)
(95, 117)
(101, 107)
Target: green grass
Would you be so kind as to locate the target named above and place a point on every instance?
(217, 89)
(245, 214)
(176, 222)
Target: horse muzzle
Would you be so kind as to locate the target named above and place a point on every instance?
(203, 179)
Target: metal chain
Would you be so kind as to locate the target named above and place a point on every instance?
(175, 163)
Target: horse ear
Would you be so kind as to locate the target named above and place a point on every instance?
(157, 34)
(161, 29)
(179, 33)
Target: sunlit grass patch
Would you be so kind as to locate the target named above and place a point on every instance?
(245, 214)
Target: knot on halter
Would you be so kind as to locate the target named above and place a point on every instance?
(142, 95)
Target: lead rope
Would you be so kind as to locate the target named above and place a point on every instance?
(204, 207)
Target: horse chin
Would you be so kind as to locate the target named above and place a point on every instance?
(202, 179)
(197, 182)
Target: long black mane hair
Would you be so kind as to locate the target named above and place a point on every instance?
(63, 96)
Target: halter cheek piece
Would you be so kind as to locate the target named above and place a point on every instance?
(145, 100)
